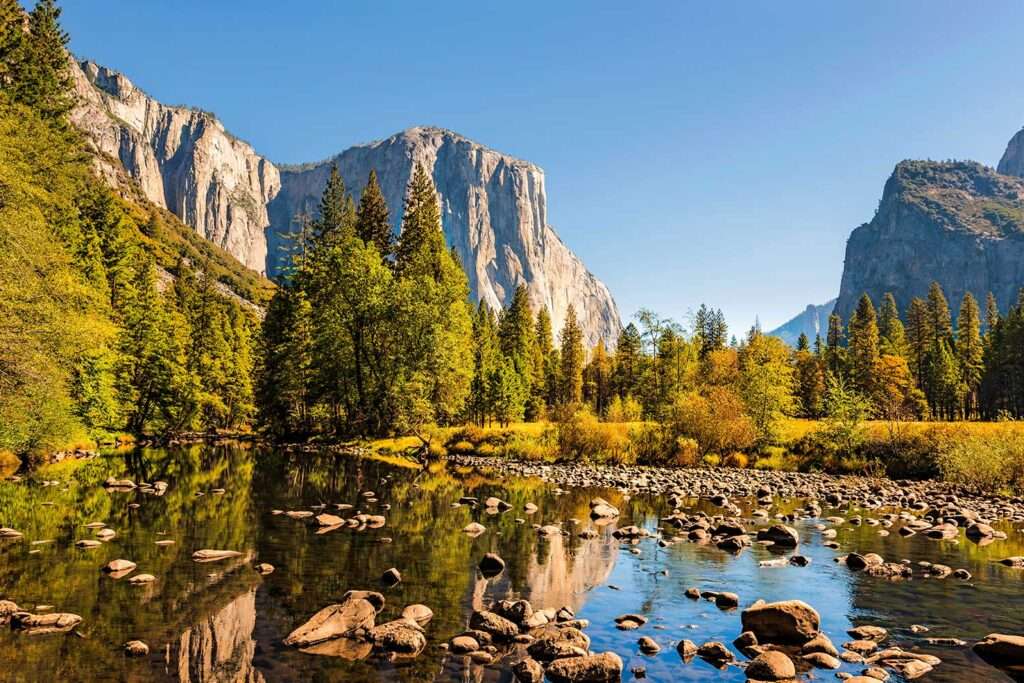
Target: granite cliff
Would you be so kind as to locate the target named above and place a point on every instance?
(182, 159)
(959, 223)
(812, 321)
(494, 213)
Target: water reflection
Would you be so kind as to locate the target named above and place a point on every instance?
(224, 622)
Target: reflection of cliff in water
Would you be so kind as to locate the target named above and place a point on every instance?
(220, 647)
(560, 572)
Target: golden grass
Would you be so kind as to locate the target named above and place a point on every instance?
(794, 429)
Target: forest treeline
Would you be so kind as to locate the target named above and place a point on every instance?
(96, 336)
(112, 320)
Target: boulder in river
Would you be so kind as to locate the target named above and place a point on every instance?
(497, 626)
(601, 508)
(1001, 650)
(136, 648)
(421, 614)
(7, 532)
(335, 621)
(780, 535)
(528, 670)
(474, 529)
(7, 608)
(790, 622)
(602, 668)
(400, 636)
(771, 665)
(119, 566)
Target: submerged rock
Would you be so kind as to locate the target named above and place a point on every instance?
(39, 624)
(214, 555)
(136, 648)
(400, 636)
(771, 666)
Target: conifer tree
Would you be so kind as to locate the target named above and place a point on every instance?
(919, 339)
(571, 369)
(597, 380)
(333, 223)
(834, 352)
(802, 344)
(421, 226)
(12, 42)
(628, 361)
(863, 347)
(373, 222)
(486, 358)
(970, 351)
(991, 312)
(939, 319)
(517, 335)
(892, 335)
(545, 389)
(43, 77)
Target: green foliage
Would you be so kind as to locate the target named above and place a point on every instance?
(766, 384)
(373, 221)
(990, 464)
(571, 360)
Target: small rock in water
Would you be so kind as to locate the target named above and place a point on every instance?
(264, 568)
(136, 648)
(491, 565)
(392, 577)
(214, 555)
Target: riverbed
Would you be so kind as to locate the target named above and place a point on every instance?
(226, 621)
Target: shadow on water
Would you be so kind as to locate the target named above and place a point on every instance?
(225, 622)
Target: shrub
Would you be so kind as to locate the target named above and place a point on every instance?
(716, 421)
(990, 464)
(583, 437)
(736, 459)
(521, 447)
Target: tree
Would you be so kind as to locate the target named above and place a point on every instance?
(892, 336)
(970, 352)
(373, 222)
(709, 329)
(597, 380)
(421, 225)
(507, 393)
(716, 421)
(334, 223)
(919, 339)
(571, 369)
(945, 388)
(766, 383)
(939, 320)
(835, 355)
(628, 361)
(545, 388)
(810, 383)
(486, 359)
(863, 347)
(285, 366)
(43, 78)
(845, 410)
(12, 42)
(802, 343)
(517, 336)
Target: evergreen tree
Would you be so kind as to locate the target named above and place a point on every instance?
(945, 387)
(486, 359)
(892, 335)
(12, 42)
(939, 320)
(970, 351)
(373, 222)
(834, 353)
(802, 343)
(571, 370)
(991, 312)
(507, 393)
(597, 380)
(42, 77)
(285, 367)
(545, 389)
(334, 221)
(919, 339)
(421, 225)
(863, 347)
(628, 362)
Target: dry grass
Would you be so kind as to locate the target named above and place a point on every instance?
(793, 429)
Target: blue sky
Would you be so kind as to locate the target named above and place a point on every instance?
(715, 152)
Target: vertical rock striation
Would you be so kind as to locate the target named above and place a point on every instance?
(183, 160)
(494, 212)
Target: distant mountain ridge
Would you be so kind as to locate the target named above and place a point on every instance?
(812, 321)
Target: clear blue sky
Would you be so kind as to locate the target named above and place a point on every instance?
(716, 151)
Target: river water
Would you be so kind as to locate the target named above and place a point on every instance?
(225, 622)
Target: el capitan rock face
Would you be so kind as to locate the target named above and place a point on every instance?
(958, 223)
(494, 212)
(182, 159)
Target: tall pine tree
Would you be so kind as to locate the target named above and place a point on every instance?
(373, 223)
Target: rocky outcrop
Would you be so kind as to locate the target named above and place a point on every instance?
(812, 322)
(958, 223)
(494, 213)
(182, 159)
(1012, 162)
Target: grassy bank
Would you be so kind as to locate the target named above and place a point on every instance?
(987, 456)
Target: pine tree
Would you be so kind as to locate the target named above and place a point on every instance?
(945, 387)
(421, 225)
(571, 359)
(628, 362)
(991, 312)
(802, 344)
(892, 335)
(834, 352)
(517, 335)
(970, 351)
(333, 223)
(939, 320)
(545, 389)
(373, 222)
(486, 358)
(863, 347)
(919, 339)
(507, 394)
(43, 78)
(597, 380)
